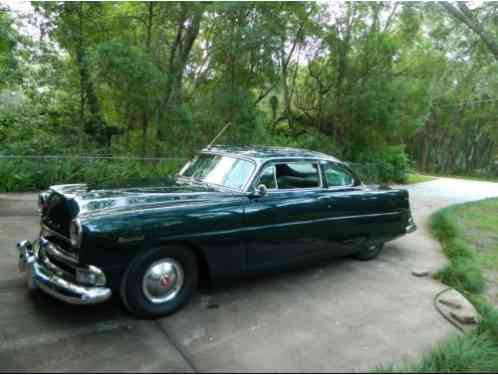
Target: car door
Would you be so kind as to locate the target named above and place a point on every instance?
(282, 223)
(348, 220)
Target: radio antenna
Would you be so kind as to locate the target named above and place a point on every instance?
(219, 134)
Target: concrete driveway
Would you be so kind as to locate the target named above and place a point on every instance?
(343, 315)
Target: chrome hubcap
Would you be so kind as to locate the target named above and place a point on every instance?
(162, 280)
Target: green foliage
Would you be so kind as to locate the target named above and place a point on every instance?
(470, 353)
(464, 271)
(382, 85)
(33, 175)
(386, 164)
(124, 74)
(488, 324)
(462, 274)
(463, 229)
(8, 42)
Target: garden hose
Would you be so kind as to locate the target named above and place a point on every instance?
(453, 323)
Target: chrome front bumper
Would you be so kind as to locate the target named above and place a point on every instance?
(411, 227)
(47, 276)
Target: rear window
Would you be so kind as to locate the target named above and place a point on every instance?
(297, 175)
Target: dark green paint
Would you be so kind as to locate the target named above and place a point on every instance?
(235, 232)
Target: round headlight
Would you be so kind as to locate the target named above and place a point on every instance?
(75, 233)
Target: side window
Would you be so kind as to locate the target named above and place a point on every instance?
(337, 176)
(268, 177)
(297, 175)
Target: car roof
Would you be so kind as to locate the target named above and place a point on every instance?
(262, 153)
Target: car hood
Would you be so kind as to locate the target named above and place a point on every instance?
(85, 202)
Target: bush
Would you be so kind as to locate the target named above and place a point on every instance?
(386, 165)
(38, 174)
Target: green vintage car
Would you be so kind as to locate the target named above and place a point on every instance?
(229, 212)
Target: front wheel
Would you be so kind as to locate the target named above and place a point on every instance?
(369, 252)
(160, 281)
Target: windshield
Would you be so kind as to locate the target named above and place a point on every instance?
(221, 170)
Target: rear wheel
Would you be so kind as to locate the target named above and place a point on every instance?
(369, 252)
(160, 281)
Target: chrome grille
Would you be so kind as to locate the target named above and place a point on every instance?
(61, 243)
(55, 264)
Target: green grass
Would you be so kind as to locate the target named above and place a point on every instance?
(471, 353)
(469, 238)
(463, 271)
(415, 178)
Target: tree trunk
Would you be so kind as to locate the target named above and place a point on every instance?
(148, 37)
(94, 125)
(284, 66)
(341, 73)
(187, 31)
(285, 87)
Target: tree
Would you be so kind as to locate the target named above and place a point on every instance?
(463, 14)
(367, 81)
(188, 20)
(73, 25)
(8, 41)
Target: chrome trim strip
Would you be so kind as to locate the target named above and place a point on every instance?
(349, 187)
(295, 190)
(259, 227)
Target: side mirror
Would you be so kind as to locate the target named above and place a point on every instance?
(260, 191)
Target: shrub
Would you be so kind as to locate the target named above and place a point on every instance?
(384, 165)
(38, 174)
(387, 164)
